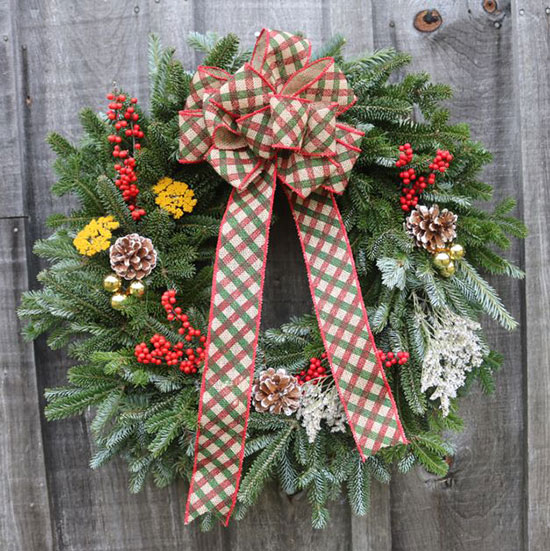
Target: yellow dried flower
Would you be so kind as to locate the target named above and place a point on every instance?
(174, 197)
(96, 236)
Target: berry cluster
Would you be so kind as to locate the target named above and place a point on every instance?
(413, 186)
(441, 161)
(314, 372)
(390, 358)
(122, 113)
(164, 351)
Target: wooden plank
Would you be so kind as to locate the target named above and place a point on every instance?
(73, 53)
(533, 76)
(10, 103)
(24, 508)
(353, 19)
(479, 504)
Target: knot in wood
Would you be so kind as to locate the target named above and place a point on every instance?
(490, 6)
(427, 21)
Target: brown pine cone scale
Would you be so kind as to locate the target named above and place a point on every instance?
(133, 256)
(431, 228)
(276, 392)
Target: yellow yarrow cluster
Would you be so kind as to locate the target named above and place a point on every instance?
(174, 197)
(96, 236)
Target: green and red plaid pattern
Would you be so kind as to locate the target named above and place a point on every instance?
(288, 121)
(231, 349)
(275, 118)
(278, 55)
(204, 83)
(194, 136)
(358, 374)
(257, 132)
(321, 129)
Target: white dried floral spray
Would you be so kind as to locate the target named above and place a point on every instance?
(454, 349)
(320, 402)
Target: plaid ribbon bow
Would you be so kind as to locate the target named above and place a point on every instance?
(276, 118)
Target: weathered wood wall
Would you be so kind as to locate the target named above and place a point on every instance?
(58, 55)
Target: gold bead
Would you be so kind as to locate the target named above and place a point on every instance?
(118, 301)
(442, 259)
(136, 288)
(111, 283)
(456, 251)
(448, 270)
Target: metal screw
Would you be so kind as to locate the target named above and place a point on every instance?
(157, 1)
(497, 24)
(547, 11)
(392, 24)
(6, 38)
(136, 9)
(522, 11)
(15, 230)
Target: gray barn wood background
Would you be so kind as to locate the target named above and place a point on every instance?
(59, 55)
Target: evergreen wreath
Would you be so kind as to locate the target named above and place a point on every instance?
(128, 287)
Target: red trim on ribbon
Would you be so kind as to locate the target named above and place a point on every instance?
(306, 68)
(248, 66)
(317, 315)
(365, 316)
(255, 347)
(206, 347)
(207, 70)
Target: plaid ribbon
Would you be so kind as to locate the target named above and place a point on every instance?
(276, 119)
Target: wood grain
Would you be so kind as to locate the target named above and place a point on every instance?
(73, 53)
(11, 146)
(24, 507)
(478, 505)
(532, 41)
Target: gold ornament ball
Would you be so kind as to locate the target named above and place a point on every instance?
(112, 283)
(136, 288)
(442, 259)
(456, 251)
(118, 301)
(448, 270)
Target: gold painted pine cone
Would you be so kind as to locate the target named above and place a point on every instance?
(276, 392)
(133, 256)
(432, 228)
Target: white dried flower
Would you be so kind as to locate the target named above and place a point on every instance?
(320, 403)
(454, 350)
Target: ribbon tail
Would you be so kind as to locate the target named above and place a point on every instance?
(231, 345)
(360, 380)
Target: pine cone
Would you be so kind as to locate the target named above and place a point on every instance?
(133, 256)
(276, 392)
(431, 228)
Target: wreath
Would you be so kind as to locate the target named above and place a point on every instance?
(155, 280)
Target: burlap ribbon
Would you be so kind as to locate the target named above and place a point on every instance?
(276, 119)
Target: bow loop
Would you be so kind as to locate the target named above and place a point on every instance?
(320, 137)
(321, 81)
(277, 55)
(245, 92)
(277, 102)
(206, 81)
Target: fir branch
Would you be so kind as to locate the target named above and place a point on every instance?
(477, 290)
